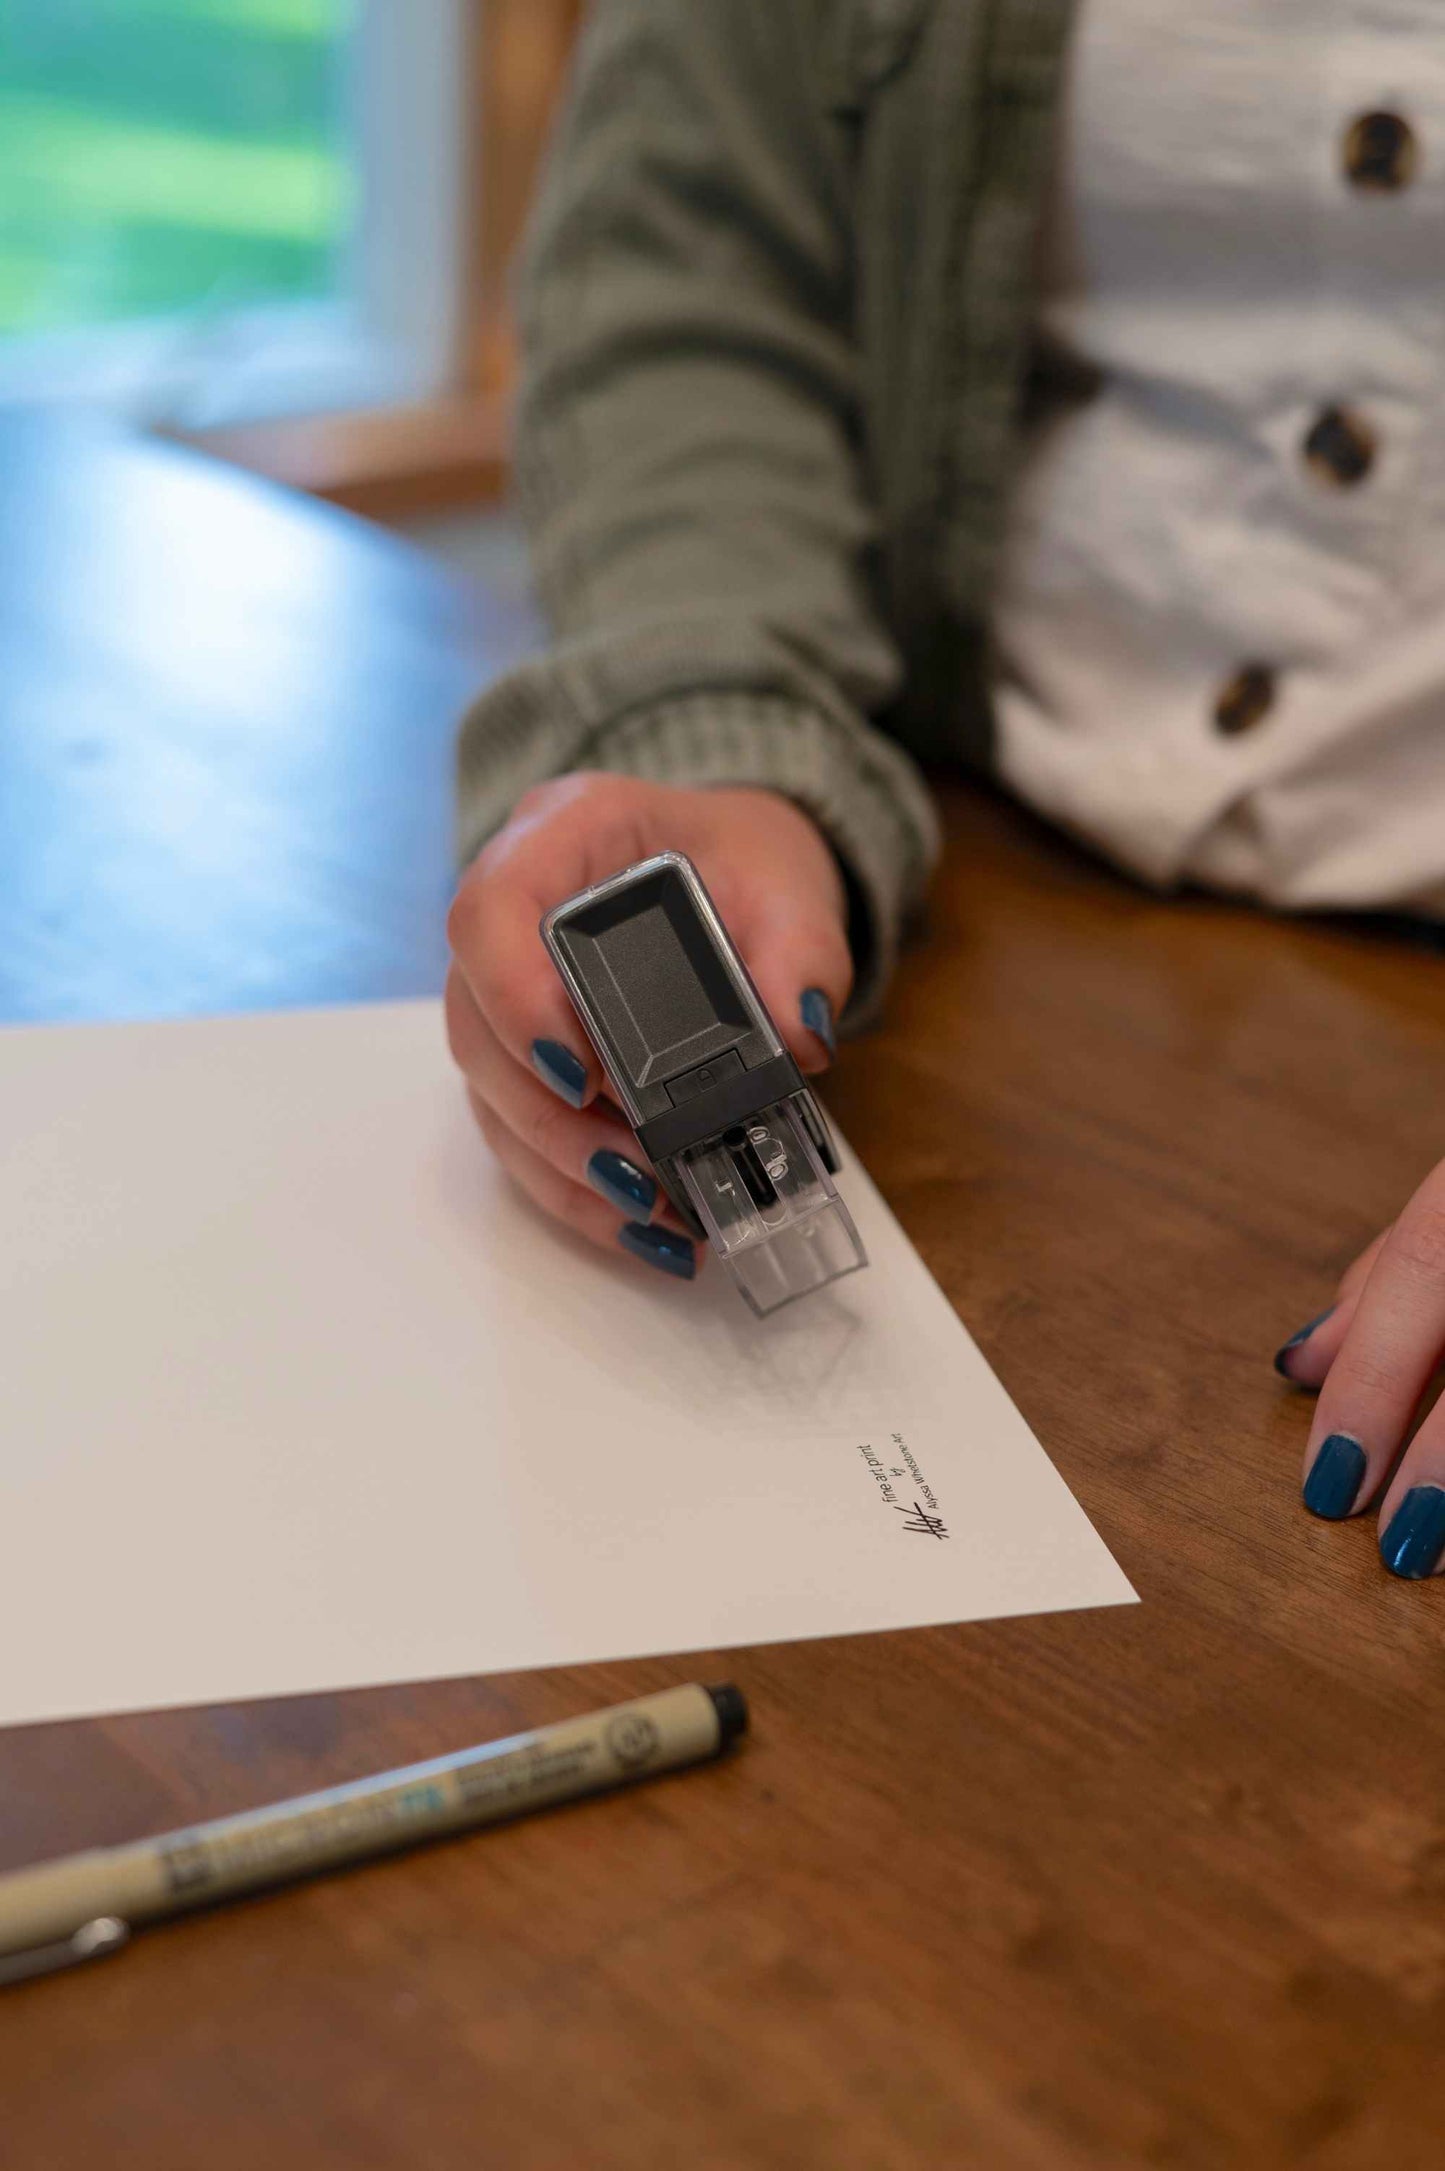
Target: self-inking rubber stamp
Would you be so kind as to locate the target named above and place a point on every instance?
(701, 1073)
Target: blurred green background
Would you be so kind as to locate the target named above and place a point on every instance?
(164, 156)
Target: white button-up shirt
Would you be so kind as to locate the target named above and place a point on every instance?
(1211, 257)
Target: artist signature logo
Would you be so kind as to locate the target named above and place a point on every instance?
(634, 1739)
(921, 1515)
(918, 1518)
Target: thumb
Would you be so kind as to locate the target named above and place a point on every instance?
(797, 951)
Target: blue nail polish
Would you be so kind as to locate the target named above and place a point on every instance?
(1281, 1355)
(1333, 1484)
(559, 1068)
(816, 1012)
(629, 1188)
(1415, 1536)
(662, 1248)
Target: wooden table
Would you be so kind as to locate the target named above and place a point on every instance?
(1163, 1885)
(226, 729)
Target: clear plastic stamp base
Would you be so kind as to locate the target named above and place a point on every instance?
(770, 1209)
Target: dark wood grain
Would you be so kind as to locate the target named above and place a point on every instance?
(1155, 1886)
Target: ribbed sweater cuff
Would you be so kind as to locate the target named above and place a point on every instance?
(863, 792)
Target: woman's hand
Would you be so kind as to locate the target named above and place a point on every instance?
(534, 1081)
(1372, 1356)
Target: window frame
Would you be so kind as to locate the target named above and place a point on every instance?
(391, 461)
(394, 337)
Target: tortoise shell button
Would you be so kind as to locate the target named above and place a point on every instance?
(1340, 448)
(1245, 700)
(1382, 153)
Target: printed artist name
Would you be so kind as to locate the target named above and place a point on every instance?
(897, 1478)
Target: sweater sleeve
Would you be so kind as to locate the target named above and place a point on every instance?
(689, 453)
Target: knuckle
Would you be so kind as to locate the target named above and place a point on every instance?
(490, 986)
(464, 914)
(606, 792)
(1417, 1241)
(543, 1186)
(516, 1008)
(1370, 1371)
(841, 964)
(556, 793)
(459, 1016)
(548, 1130)
(455, 1046)
(535, 799)
(575, 1208)
(587, 1215)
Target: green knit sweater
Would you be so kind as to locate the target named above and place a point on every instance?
(776, 321)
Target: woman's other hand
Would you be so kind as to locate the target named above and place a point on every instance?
(1372, 1356)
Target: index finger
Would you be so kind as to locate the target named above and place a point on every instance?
(1385, 1363)
(543, 855)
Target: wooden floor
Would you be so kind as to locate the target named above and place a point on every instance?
(1163, 1885)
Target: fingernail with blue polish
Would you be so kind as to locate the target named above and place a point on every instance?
(629, 1188)
(662, 1248)
(1281, 1356)
(1333, 1484)
(1414, 1538)
(559, 1068)
(816, 1012)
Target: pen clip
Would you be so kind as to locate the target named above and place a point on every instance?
(92, 1941)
